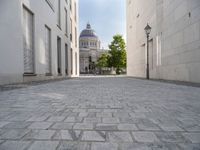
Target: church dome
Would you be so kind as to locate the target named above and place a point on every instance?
(88, 32)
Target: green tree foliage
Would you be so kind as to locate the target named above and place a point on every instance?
(103, 61)
(117, 53)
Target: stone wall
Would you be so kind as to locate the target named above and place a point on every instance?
(174, 44)
(11, 39)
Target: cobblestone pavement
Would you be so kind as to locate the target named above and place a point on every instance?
(101, 114)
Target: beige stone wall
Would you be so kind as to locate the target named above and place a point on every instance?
(174, 40)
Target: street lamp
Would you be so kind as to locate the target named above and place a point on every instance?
(148, 31)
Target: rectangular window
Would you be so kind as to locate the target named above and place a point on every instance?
(70, 4)
(76, 37)
(75, 11)
(66, 22)
(59, 55)
(71, 29)
(151, 54)
(72, 61)
(48, 50)
(158, 50)
(59, 14)
(76, 63)
(28, 38)
(66, 59)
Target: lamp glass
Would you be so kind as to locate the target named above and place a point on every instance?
(147, 29)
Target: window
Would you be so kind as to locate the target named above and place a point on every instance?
(59, 55)
(59, 14)
(71, 29)
(66, 59)
(28, 35)
(48, 50)
(75, 11)
(76, 63)
(66, 22)
(158, 50)
(75, 36)
(71, 61)
(70, 4)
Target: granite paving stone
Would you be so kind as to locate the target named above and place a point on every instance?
(3, 123)
(40, 135)
(40, 125)
(14, 134)
(171, 137)
(56, 119)
(73, 119)
(148, 126)
(135, 146)
(83, 126)
(127, 127)
(44, 145)
(83, 114)
(145, 137)
(106, 127)
(104, 146)
(119, 137)
(38, 118)
(189, 146)
(17, 125)
(93, 136)
(69, 135)
(63, 135)
(193, 137)
(14, 145)
(67, 145)
(92, 120)
(62, 126)
(104, 114)
(94, 113)
(170, 127)
(110, 120)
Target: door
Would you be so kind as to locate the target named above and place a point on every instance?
(48, 50)
(28, 41)
(66, 59)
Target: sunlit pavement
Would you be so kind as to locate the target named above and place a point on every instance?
(100, 114)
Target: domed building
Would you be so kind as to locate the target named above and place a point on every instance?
(90, 50)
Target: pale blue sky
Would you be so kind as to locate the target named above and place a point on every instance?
(107, 18)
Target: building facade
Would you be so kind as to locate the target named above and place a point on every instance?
(174, 44)
(38, 40)
(90, 50)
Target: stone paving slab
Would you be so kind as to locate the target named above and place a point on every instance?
(14, 145)
(65, 145)
(39, 135)
(119, 137)
(93, 136)
(14, 134)
(104, 146)
(40, 125)
(100, 114)
(148, 137)
(44, 145)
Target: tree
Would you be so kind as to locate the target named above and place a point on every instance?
(117, 53)
(103, 61)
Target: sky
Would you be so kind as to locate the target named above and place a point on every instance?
(107, 18)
